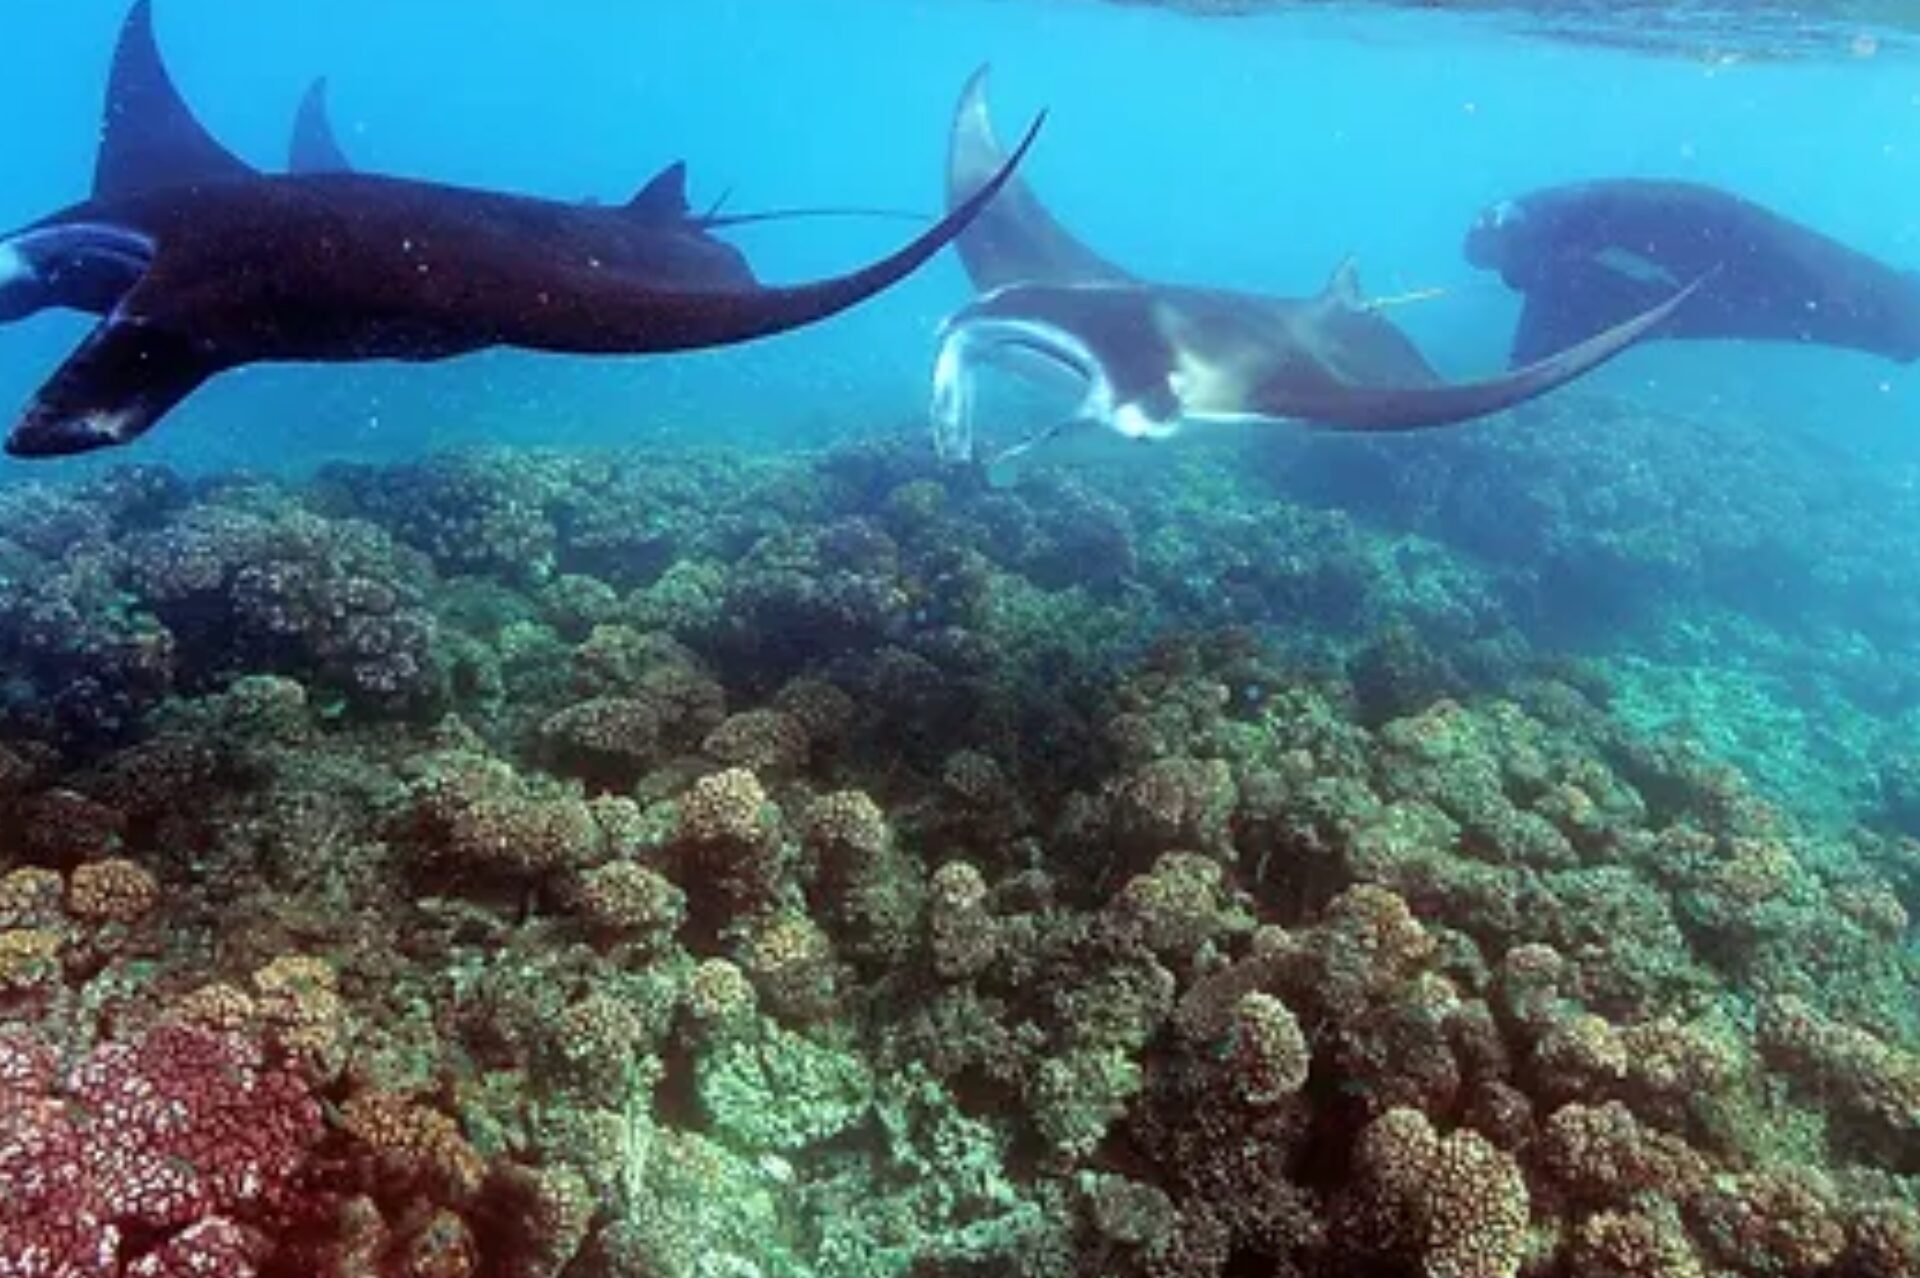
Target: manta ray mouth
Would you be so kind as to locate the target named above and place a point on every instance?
(83, 266)
(970, 343)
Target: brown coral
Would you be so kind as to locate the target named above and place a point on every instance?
(624, 901)
(414, 1145)
(1268, 1055)
(1602, 1154)
(764, 741)
(728, 840)
(1851, 1068)
(1779, 1220)
(961, 929)
(863, 888)
(1181, 905)
(1633, 1244)
(1455, 1205)
(791, 963)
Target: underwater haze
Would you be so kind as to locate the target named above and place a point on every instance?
(1276, 145)
(670, 815)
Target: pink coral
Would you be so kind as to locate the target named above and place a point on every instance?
(186, 1135)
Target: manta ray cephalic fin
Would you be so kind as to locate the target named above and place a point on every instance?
(121, 380)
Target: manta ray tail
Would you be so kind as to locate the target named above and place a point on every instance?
(149, 137)
(685, 321)
(664, 199)
(720, 221)
(1016, 240)
(1418, 408)
(315, 148)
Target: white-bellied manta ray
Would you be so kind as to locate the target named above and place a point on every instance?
(1153, 356)
(197, 263)
(1588, 254)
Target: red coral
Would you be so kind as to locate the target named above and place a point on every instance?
(183, 1136)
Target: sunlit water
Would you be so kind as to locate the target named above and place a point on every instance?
(1253, 151)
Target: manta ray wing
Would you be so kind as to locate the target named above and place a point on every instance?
(149, 137)
(199, 264)
(1386, 408)
(1578, 301)
(1015, 240)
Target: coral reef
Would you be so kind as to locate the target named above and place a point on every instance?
(655, 867)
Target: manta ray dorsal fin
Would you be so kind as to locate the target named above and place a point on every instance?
(664, 197)
(315, 147)
(1343, 286)
(149, 137)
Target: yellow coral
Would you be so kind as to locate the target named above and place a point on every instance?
(416, 1141)
(1580, 1054)
(299, 1000)
(30, 897)
(962, 932)
(626, 900)
(847, 826)
(1270, 1055)
(719, 996)
(1633, 1244)
(29, 959)
(111, 891)
(726, 807)
(791, 963)
(218, 1006)
(1380, 921)
(761, 740)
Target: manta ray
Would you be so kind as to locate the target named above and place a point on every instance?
(197, 263)
(314, 147)
(1588, 254)
(1153, 356)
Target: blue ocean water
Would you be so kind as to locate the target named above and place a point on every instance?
(1253, 151)
(656, 820)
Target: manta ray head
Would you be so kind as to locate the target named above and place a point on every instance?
(78, 266)
(1005, 329)
(1491, 239)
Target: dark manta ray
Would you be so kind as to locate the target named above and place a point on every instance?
(197, 264)
(1589, 254)
(1153, 356)
(315, 148)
